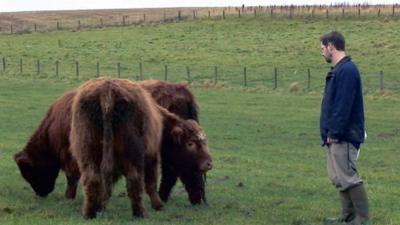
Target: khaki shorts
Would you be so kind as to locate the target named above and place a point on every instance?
(341, 165)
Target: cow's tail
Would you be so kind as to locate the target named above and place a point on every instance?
(107, 107)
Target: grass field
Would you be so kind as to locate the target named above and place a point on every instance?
(269, 166)
(260, 45)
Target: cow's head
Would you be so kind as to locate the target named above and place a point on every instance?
(192, 157)
(40, 174)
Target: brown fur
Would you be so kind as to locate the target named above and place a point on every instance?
(116, 130)
(47, 150)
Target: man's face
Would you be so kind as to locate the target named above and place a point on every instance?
(326, 52)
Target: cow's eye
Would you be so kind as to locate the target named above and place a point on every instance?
(190, 145)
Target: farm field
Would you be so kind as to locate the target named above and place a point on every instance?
(269, 167)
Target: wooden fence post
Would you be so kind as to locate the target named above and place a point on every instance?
(140, 71)
(101, 22)
(393, 11)
(379, 12)
(77, 69)
(119, 69)
(58, 25)
(57, 74)
(343, 12)
(194, 14)
(245, 76)
(166, 72)
(308, 79)
(97, 69)
(165, 17)
(179, 15)
(4, 64)
(188, 74)
(215, 75)
(327, 13)
(223, 14)
(35, 27)
(11, 29)
(38, 66)
(79, 24)
(20, 66)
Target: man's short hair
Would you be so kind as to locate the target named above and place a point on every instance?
(335, 38)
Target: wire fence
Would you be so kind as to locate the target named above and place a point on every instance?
(305, 79)
(28, 22)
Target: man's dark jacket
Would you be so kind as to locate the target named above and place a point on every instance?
(342, 110)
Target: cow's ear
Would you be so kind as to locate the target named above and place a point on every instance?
(177, 134)
(24, 163)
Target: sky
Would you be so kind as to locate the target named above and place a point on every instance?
(35, 5)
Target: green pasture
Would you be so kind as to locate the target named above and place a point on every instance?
(269, 166)
(208, 51)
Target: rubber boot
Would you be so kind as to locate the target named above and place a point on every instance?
(347, 210)
(359, 198)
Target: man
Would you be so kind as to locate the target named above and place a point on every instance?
(342, 130)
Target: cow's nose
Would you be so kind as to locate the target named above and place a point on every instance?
(209, 165)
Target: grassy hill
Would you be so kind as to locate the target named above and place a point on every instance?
(259, 44)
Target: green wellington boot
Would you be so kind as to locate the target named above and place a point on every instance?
(347, 210)
(359, 198)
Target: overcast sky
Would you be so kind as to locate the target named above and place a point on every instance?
(34, 5)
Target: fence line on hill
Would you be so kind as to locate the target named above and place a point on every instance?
(340, 11)
(266, 76)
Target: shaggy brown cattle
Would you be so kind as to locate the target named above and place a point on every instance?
(179, 100)
(116, 130)
(47, 150)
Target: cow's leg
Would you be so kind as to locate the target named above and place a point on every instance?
(151, 176)
(168, 181)
(135, 186)
(92, 193)
(72, 174)
(194, 186)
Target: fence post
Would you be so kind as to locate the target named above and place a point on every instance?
(38, 67)
(35, 27)
(245, 76)
(79, 24)
(308, 79)
(20, 66)
(272, 12)
(179, 15)
(165, 16)
(58, 25)
(4, 64)
(11, 29)
(119, 69)
(223, 14)
(77, 69)
(275, 78)
(166, 72)
(123, 20)
(101, 22)
(343, 12)
(359, 12)
(194, 14)
(97, 69)
(381, 80)
(312, 13)
(379, 12)
(140, 71)
(57, 74)
(188, 74)
(255, 12)
(327, 13)
(215, 75)
(393, 11)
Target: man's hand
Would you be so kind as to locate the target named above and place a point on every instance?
(331, 140)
